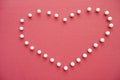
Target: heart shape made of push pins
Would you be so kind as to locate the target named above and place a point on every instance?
(72, 15)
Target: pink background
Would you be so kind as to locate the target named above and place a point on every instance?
(62, 41)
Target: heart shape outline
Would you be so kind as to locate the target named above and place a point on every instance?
(84, 55)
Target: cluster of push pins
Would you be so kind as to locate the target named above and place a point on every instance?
(56, 15)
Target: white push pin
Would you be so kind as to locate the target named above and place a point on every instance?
(109, 18)
(89, 50)
(111, 25)
(78, 60)
(21, 28)
(102, 40)
(30, 15)
(64, 19)
(72, 15)
(52, 60)
(21, 36)
(45, 55)
(22, 20)
(106, 12)
(49, 13)
(58, 64)
(107, 33)
(78, 12)
(84, 55)
(32, 48)
(26, 43)
(39, 52)
(56, 15)
(65, 68)
(39, 11)
(97, 10)
(89, 9)
(95, 45)
(72, 64)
